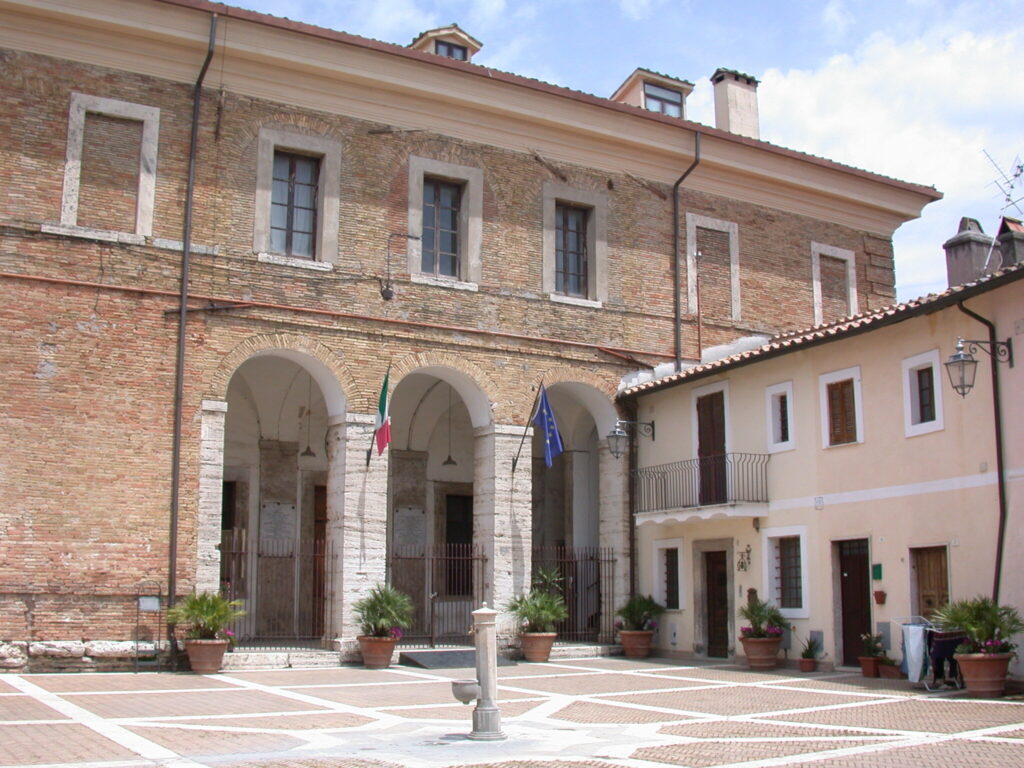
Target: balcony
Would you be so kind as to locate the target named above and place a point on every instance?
(728, 485)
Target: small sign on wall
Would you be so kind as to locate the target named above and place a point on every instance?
(277, 520)
(410, 527)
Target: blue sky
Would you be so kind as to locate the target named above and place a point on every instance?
(914, 89)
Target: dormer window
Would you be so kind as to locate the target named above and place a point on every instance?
(451, 50)
(667, 101)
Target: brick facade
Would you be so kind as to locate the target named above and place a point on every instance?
(89, 331)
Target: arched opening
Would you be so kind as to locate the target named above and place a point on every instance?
(433, 539)
(567, 511)
(275, 555)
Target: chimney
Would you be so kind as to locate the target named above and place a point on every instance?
(1011, 241)
(967, 253)
(736, 103)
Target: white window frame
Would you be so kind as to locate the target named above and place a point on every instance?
(771, 396)
(909, 368)
(858, 404)
(817, 251)
(471, 207)
(597, 242)
(81, 105)
(328, 193)
(658, 576)
(693, 223)
(770, 559)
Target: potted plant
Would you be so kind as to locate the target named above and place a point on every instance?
(537, 612)
(809, 654)
(382, 615)
(636, 625)
(207, 615)
(763, 633)
(888, 668)
(873, 652)
(985, 653)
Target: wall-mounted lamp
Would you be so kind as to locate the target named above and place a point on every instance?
(618, 438)
(962, 367)
(743, 561)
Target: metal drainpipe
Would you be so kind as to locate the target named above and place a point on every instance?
(179, 377)
(676, 266)
(1000, 477)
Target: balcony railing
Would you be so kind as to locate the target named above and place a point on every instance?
(725, 479)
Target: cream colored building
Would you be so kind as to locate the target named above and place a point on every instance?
(842, 477)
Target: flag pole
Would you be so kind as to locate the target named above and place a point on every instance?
(529, 421)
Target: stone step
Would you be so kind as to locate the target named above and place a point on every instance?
(276, 658)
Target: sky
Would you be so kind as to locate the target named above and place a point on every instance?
(926, 91)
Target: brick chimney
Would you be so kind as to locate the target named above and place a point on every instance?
(967, 254)
(736, 103)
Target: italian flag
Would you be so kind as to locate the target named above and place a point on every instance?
(382, 428)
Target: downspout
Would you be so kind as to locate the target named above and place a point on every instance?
(676, 265)
(1000, 475)
(179, 376)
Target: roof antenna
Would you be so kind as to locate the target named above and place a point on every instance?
(1008, 185)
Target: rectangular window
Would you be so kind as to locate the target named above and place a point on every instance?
(925, 395)
(671, 578)
(842, 421)
(922, 399)
(785, 569)
(293, 204)
(833, 282)
(442, 201)
(664, 100)
(789, 570)
(451, 50)
(782, 419)
(779, 406)
(571, 250)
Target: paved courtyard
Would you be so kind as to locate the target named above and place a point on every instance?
(587, 713)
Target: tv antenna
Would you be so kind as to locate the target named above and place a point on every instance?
(1009, 185)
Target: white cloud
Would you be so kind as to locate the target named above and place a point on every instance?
(836, 18)
(922, 110)
(638, 9)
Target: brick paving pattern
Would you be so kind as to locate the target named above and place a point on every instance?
(595, 713)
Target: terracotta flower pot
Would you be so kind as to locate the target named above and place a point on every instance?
(868, 665)
(984, 673)
(892, 671)
(205, 656)
(761, 652)
(376, 651)
(808, 665)
(537, 645)
(636, 643)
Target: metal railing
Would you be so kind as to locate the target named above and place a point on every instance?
(724, 479)
(587, 583)
(446, 585)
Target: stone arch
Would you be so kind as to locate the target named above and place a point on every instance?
(594, 393)
(325, 366)
(469, 380)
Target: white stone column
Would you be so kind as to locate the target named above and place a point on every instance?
(211, 489)
(613, 492)
(502, 515)
(357, 520)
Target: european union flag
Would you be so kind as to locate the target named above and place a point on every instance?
(545, 419)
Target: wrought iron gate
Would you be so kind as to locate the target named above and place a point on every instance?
(446, 585)
(285, 585)
(588, 586)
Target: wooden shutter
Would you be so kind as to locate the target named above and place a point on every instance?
(842, 416)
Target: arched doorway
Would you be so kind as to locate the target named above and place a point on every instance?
(574, 532)
(435, 551)
(275, 554)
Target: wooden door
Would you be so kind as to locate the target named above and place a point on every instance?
(458, 535)
(711, 448)
(931, 576)
(319, 556)
(855, 596)
(716, 599)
